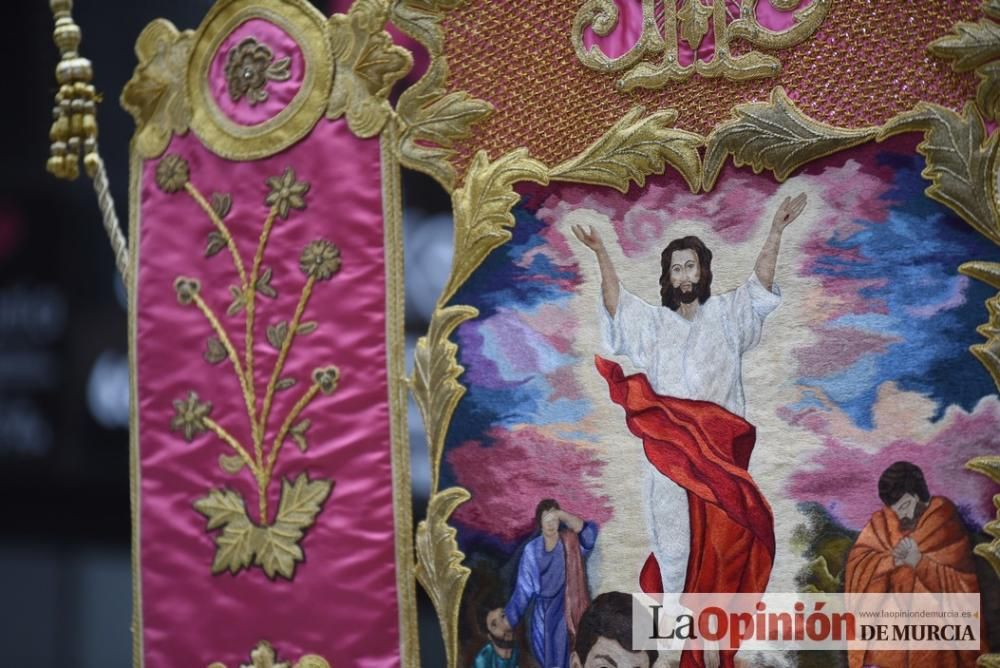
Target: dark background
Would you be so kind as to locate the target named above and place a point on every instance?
(64, 471)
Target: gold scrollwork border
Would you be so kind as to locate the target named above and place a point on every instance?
(774, 135)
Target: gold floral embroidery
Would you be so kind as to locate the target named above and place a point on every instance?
(270, 543)
(171, 174)
(190, 417)
(249, 66)
(286, 193)
(264, 656)
(320, 260)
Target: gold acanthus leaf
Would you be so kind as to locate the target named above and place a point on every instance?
(960, 161)
(634, 148)
(988, 93)
(430, 120)
(264, 656)
(970, 45)
(368, 64)
(987, 353)
(482, 209)
(275, 548)
(435, 385)
(420, 20)
(156, 95)
(776, 136)
(976, 46)
(992, 8)
(439, 564)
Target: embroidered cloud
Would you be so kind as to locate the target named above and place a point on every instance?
(512, 470)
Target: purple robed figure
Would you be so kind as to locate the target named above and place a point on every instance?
(551, 574)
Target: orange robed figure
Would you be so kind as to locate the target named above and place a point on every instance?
(915, 544)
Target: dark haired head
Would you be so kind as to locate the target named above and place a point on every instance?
(670, 295)
(608, 616)
(902, 478)
(543, 506)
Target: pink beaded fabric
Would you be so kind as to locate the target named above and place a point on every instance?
(867, 62)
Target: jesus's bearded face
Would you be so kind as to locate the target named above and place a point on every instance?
(686, 282)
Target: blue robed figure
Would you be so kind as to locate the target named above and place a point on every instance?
(552, 575)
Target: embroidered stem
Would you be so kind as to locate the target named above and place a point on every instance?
(245, 382)
(223, 230)
(285, 347)
(286, 426)
(251, 295)
(233, 443)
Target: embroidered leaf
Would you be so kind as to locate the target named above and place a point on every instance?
(307, 328)
(235, 545)
(434, 384)
(300, 502)
(231, 464)
(776, 136)
(988, 93)
(419, 19)
(694, 16)
(970, 45)
(276, 334)
(263, 284)
(222, 204)
(439, 561)
(958, 161)
(432, 120)
(239, 301)
(992, 8)
(284, 384)
(482, 210)
(634, 148)
(215, 244)
(215, 352)
(278, 70)
(298, 434)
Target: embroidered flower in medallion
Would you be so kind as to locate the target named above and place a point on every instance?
(249, 66)
(286, 193)
(172, 173)
(320, 260)
(190, 414)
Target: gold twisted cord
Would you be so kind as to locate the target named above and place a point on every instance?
(286, 345)
(286, 427)
(74, 128)
(196, 195)
(251, 299)
(217, 429)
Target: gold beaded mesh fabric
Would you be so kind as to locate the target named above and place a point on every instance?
(866, 62)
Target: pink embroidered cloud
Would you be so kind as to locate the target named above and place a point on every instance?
(844, 476)
(518, 469)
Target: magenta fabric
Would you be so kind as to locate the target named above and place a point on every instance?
(280, 93)
(629, 28)
(342, 602)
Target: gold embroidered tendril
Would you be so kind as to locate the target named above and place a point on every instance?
(271, 543)
(264, 656)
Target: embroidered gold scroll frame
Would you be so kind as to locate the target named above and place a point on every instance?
(773, 135)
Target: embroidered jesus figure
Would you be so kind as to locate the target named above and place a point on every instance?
(710, 528)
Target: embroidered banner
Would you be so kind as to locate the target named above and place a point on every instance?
(271, 484)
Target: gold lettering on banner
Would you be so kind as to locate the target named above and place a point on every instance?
(667, 23)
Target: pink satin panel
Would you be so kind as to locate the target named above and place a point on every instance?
(342, 602)
(279, 93)
(629, 28)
